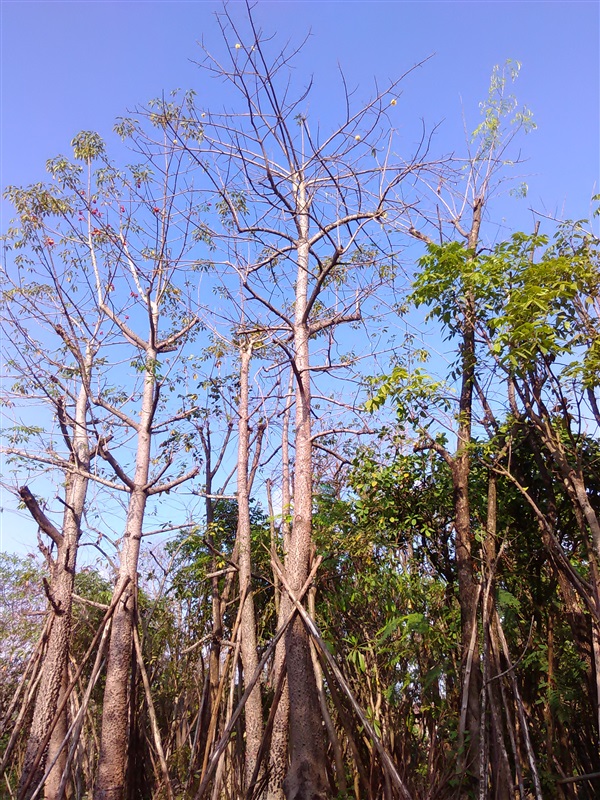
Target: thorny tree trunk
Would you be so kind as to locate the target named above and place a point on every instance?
(253, 707)
(211, 687)
(306, 778)
(501, 778)
(115, 714)
(278, 754)
(467, 583)
(55, 666)
(59, 733)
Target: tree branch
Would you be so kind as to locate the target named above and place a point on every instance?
(166, 487)
(42, 520)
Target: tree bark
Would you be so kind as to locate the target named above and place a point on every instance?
(278, 754)
(253, 708)
(115, 713)
(53, 780)
(501, 778)
(468, 587)
(306, 778)
(55, 664)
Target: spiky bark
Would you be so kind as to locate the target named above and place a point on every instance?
(55, 665)
(306, 778)
(468, 586)
(115, 713)
(253, 708)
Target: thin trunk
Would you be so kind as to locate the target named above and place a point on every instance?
(28, 678)
(214, 658)
(253, 709)
(582, 629)
(510, 725)
(273, 543)
(596, 638)
(521, 717)
(338, 758)
(152, 715)
(55, 664)
(20, 721)
(467, 584)
(278, 754)
(587, 519)
(548, 714)
(501, 780)
(468, 588)
(306, 778)
(114, 745)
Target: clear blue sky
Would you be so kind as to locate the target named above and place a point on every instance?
(69, 66)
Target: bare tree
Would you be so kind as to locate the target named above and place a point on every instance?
(303, 226)
(121, 241)
(52, 351)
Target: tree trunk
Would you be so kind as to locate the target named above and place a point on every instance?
(59, 733)
(211, 690)
(278, 754)
(583, 629)
(306, 778)
(55, 666)
(501, 779)
(115, 713)
(253, 707)
(468, 588)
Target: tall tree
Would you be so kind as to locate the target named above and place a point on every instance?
(301, 217)
(53, 347)
(123, 240)
(447, 282)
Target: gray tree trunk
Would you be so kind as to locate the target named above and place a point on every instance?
(114, 738)
(306, 778)
(253, 707)
(55, 665)
(278, 753)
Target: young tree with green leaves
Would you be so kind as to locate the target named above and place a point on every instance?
(446, 282)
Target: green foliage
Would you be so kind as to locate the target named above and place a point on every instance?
(499, 108)
(34, 206)
(529, 306)
(194, 558)
(87, 146)
(22, 615)
(412, 391)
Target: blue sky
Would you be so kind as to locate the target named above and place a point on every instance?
(70, 66)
